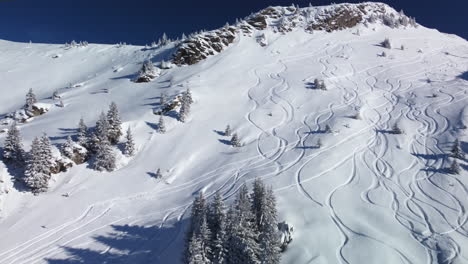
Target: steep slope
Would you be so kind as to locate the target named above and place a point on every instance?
(366, 195)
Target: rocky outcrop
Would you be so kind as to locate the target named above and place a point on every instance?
(286, 19)
(199, 47)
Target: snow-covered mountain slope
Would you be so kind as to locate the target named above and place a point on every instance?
(365, 195)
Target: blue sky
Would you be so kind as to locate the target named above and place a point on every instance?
(142, 21)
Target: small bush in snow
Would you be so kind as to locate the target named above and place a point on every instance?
(386, 43)
(227, 131)
(147, 72)
(235, 140)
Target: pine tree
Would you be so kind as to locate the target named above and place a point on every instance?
(455, 167)
(129, 144)
(456, 150)
(195, 252)
(163, 100)
(227, 131)
(269, 241)
(317, 83)
(37, 173)
(184, 108)
(83, 137)
(30, 99)
(242, 246)
(101, 132)
(235, 140)
(396, 129)
(188, 96)
(327, 129)
(13, 148)
(158, 174)
(113, 118)
(67, 148)
(258, 201)
(216, 218)
(386, 43)
(161, 125)
(46, 152)
(105, 158)
(197, 216)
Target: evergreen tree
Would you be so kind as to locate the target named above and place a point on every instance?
(195, 252)
(197, 217)
(113, 118)
(13, 148)
(227, 131)
(37, 173)
(129, 144)
(161, 125)
(242, 246)
(327, 129)
(163, 100)
(83, 137)
(101, 132)
(455, 168)
(158, 174)
(216, 218)
(258, 201)
(396, 129)
(456, 150)
(235, 140)
(105, 158)
(386, 43)
(268, 228)
(184, 108)
(317, 83)
(67, 148)
(188, 96)
(30, 99)
(46, 152)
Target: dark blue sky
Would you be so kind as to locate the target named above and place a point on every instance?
(142, 21)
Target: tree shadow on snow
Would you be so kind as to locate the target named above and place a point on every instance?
(430, 156)
(152, 125)
(307, 147)
(224, 141)
(131, 244)
(219, 132)
(438, 170)
(463, 76)
(128, 76)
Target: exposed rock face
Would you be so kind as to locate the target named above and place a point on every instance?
(199, 47)
(286, 19)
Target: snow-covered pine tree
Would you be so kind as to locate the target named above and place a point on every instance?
(101, 132)
(327, 129)
(317, 83)
(268, 239)
(46, 152)
(161, 125)
(241, 245)
(129, 149)
(455, 167)
(195, 251)
(386, 43)
(396, 129)
(30, 99)
(163, 100)
(13, 147)
(216, 218)
(456, 150)
(37, 174)
(198, 215)
(105, 157)
(67, 148)
(188, 96)
(319, 143)
(258, 201)
(235, 140)
(158, 174)
(227, 131)
(83, 137)
(115, 129)
(184, 108)
(147, 72)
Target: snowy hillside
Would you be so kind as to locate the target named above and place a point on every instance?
(355, 190)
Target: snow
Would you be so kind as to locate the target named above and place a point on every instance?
(365, 195)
